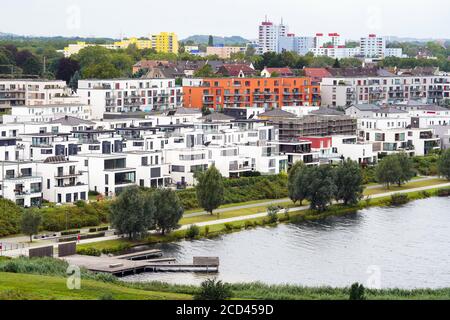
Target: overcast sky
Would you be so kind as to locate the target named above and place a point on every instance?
(113, 18)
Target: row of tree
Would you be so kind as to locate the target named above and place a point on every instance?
(323, 184)
(136, 211)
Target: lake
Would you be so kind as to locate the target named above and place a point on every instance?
(405, 247)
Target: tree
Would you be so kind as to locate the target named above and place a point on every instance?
(205, 71)
(357, 292)
(388, 171)
(10, 215)
(205, 111)
(295, 186)
(349, 182)
(321, 187)
(169, 210)
(132, 213)
(73, 83)
(336, 64)
(407, 168)
(30, 223)
(210, 189)
(211, 41)
(444, 164)
(272, 213)
(66, 69)
(213, 290)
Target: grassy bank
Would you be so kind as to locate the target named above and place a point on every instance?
(22, 279)
(219, 229)
(15, 286)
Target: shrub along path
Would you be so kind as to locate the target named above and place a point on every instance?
(16, 253)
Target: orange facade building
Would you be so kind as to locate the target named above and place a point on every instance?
(268, 93)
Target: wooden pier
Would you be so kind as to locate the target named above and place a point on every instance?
(123, 265)
(143, 255)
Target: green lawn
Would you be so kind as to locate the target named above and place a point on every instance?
(410, 185)
(232, 214)
(15, 286)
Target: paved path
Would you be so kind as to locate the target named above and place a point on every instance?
(278, 201)
(16, 253)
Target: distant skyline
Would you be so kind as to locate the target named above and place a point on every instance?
(114, 19)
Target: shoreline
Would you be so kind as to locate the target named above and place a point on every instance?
(218, 228)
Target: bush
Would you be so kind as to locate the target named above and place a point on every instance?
(228, 227)
(272, 214)
(213, 290)
(443, 192)
(10, 216)
(357, 292)
(192, 232)
(206, 230)
(248, 224)
(89, 252)
(242, 190)
(82, 237)
(424, 194)
(399, 199)
(69, 233)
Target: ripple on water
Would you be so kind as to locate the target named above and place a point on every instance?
(409, 245)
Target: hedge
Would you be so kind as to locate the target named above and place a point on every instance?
(242, 190)
(10, 215)
(82, 237)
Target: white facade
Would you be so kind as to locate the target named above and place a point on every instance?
(122, 95)
(346, 91)
(269, 35)
(373, 46)
(350, 148)
(20, 183)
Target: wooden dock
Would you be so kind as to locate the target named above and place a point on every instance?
(121, 266)
(142, 255)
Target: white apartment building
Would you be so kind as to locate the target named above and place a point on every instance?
(63, 180)
(324, 40)
(394, 52)
(269, 35)
(22, 92)
(224, 52)
(124, 95)
(373, 46)
(107, 174)
(389, 89)
(20, 183)
(349, 147)
(336, 52)
(47, 113)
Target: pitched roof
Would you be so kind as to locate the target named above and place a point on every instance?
(277, 113)
(317, 73)
(71, 121)
(280, 71)
(359, 72)
(390, 110)
(366, 107)
(233, 70)
(216, 116)
(327, 112)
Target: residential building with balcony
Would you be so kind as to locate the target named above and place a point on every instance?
(107, 174)
(267, 93)
(64, 181)
(20, 183)
(381, 87)
(129, 95)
